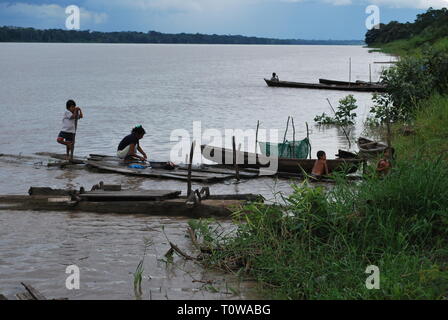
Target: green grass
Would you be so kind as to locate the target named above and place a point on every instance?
(412, 46)
(319, 243)
(403, 47)
(429, 136)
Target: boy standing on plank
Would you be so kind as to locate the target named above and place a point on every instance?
(67, 134)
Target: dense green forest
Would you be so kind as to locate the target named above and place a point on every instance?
(17, 34)
(428, 27)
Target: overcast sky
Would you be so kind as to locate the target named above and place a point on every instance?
(304, 19)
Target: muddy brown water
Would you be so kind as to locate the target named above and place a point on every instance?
(118, 87)
(36, 247)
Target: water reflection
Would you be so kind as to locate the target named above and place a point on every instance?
(222, 86)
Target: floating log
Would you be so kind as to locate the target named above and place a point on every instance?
(170, 207)
(150, 195)
(245, 197)
(45, 191)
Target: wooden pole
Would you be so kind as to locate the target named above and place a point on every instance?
(286, 131)
(256, 137)
(350, 72)
(74, 137)
(346, 135)
(237, 159)
(293, 136)
(308, 137)
(370, 73)
(389, 142)
(235, 164)
(189, 168)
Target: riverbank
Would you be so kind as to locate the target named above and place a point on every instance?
(322, 243)
(319, 244)
(411, 46)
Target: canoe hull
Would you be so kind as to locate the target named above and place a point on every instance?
(369, 147)
(251, 160)
(342, 154)
(290, 84)
(346, 83)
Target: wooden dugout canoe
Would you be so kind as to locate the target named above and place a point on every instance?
(369, 147)
(224, 156)
(303, 85)
(346, 83)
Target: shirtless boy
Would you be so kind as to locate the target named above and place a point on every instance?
(320, 167)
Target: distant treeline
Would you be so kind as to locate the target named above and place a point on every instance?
(431, 25)
(17, 34)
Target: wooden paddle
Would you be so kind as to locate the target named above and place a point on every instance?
(74, 137)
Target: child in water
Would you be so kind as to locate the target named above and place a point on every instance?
(384, 165)
(320, 167)
(67, 134)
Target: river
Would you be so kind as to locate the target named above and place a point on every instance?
(163, 88)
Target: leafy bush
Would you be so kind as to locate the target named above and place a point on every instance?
(413, 80)
(438, 66)
(409, 82)
(429, 131)
(383, 109)
(343, 116)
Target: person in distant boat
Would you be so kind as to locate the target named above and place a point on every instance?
(320, 167)
(385, 164)
(129, 145)
(274, 77)
(67, 134)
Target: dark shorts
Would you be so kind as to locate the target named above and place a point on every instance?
(67, 136)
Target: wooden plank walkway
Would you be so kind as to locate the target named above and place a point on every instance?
(158, 173)
(155, 169)
(150, 195)
(59, 156)
(221, 170)
(215, 207)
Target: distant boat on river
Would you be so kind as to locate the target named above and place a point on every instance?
(367, 87)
